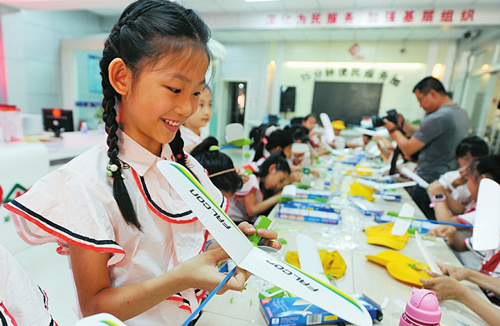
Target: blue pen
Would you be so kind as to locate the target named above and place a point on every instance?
(227, 147)
(228, 276)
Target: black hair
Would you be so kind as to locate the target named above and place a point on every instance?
(428, 83)
(257, 133)
(296, 121)
(474, 145)
(310, 116)
(215, 161)
(147, 31)
(299, 133)
(277, 158)
(487, 165)
(278, 138)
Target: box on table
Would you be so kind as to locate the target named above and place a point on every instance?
(309, 212)
(313, 194)
(366, 207)
(296, 311)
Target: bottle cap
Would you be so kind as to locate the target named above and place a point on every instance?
(423, 306)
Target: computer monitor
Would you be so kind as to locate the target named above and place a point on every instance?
(57, 120)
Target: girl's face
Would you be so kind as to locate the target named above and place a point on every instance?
(288, 151)
(473, 184)
(160, 98)
(465, 160)
(203, 114)
(275, 180)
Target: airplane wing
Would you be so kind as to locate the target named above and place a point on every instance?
(255, 260)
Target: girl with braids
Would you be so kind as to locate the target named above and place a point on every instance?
(261, 192)
(191, 129)
(136, 250)
(220, 168)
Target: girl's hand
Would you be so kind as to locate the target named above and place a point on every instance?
(269, 235)
(436, 188)
(202, 272)
(443, 231)
(445, 287)
(458, 273)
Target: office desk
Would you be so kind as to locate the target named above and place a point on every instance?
(361, 277)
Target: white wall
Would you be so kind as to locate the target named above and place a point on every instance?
(31, 46)
(249, 62)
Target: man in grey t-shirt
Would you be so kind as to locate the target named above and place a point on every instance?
(443, 127)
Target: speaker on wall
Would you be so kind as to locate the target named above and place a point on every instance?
(287, 101)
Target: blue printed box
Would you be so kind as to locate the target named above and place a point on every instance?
(296, 311)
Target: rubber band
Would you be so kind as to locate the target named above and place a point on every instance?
(195, 313)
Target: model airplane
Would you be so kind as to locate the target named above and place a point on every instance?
(235, 136)
(486, 233)
(385, 186)
(251, 258)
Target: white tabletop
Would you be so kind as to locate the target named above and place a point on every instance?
(361, 277)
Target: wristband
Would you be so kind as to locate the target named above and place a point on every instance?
(437, 198)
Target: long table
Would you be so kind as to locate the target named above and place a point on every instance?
(361, 277)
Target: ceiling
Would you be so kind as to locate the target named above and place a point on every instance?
(112, 8)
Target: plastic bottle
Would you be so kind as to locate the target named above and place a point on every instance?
(422, 309)
(306, 179)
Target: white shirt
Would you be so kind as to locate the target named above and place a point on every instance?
(462, 194)
(190, 137)
(75, 204)
(24, 303)
(237, 209)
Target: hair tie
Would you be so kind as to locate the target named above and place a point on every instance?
(112, 168)
(264, 140)
(270, 130)
(213, 148)
(179, 156)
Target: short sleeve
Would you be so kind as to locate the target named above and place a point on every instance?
(64, 207)
(433, 127)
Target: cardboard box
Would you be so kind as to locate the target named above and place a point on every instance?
(295, 311)
(309, 212)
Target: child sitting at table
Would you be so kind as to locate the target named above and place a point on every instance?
(219, 166)
(484, 167)
(270, 140)
(459, 201)
(261, 192)
(480, 168)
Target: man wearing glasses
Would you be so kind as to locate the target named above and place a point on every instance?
(443, 127)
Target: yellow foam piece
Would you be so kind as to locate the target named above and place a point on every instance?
(401, 267)
(381, 235)
(357, 189)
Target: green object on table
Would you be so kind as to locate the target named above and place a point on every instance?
(393, 214)
(412, 230)
(247, 155)
(240, 142)
(281, 240)
(304, 187)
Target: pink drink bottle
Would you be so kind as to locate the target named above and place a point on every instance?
(421, 310)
